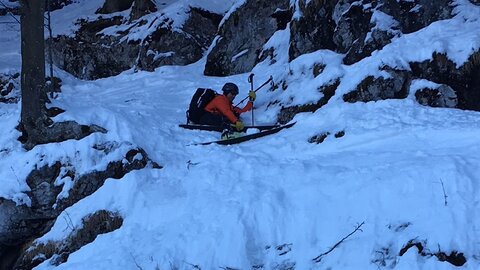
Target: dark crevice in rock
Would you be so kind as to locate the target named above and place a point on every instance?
(283, 17)
(455, 258)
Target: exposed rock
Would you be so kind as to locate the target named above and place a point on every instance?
(444, 96)
(414, 15)
(362, 48)
(362, 29)
(283, 17)
(353, 25)
(314, 29)
(111, 6)
(476, 2)
(320, 138)
(455, 258)
(373, 89)
(287, 114)
(57, 132)
(465, 80)
(167, 47)
(317, 139)
(21, 224)
(93, 225)
(92, 55)
(318, 68)
(9, 88)
(141, 8)
(241, 38)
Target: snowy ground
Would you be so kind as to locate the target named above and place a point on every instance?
(233, 207)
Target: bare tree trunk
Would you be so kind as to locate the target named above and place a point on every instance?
(33, 115)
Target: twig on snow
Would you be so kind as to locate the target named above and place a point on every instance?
(190, 163)
(320, 257)
(195, 266)
(444, 193)
(135, 261)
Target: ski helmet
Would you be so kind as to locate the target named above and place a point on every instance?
(230, 88)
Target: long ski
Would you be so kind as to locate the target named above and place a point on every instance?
(248, 137)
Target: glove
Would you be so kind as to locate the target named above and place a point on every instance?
(239, 125)
(252, 95)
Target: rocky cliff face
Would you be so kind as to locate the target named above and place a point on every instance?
(20, 224)
(106, 46)
(242, 35)
(353, 28)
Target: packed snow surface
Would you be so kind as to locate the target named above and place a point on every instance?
(402, 171)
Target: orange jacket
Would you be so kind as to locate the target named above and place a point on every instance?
(222, 105)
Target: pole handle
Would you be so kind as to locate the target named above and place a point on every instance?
(258, 88)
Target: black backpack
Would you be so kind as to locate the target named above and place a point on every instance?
(197, 105)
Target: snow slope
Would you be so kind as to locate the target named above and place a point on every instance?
(407, 171)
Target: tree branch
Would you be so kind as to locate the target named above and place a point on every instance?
(9, 13)
(444, 193)
(320, 257)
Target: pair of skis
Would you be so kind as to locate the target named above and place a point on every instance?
(264, 131)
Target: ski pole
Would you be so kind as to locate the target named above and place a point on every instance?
(250, 80)
(258, 88)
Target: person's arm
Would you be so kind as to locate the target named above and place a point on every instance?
(225, 109)
(247, 108)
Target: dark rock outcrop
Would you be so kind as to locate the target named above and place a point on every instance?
(57, 132)
(353, 25)
(242, 36)
(443, 96)
(373, 89)
(455, 258)
(22, 224)
(465, 80)
(91, 54)
(111, 6)
(167, 47)
(93, 225)
(314, 29)
(141, 8)
(415, 15)
(88, 55)
(9, 88)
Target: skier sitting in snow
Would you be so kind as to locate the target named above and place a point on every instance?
(221, 112)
